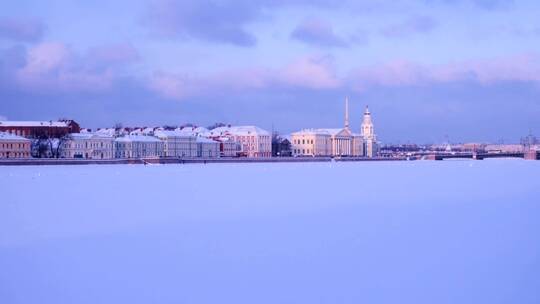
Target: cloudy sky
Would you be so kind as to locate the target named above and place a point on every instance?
(467, 70)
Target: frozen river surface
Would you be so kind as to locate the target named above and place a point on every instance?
(370, 232)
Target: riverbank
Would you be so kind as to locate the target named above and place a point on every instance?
(142, 161)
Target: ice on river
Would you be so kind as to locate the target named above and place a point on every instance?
(365, 232)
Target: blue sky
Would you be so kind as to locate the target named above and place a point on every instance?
(465, 69)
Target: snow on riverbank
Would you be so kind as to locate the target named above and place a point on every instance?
(381, 232)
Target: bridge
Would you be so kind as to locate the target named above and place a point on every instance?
(530, 155)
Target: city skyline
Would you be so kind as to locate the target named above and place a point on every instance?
(468, 70)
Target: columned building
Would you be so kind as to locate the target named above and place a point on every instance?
(138, 146)
(88, 146)
(177, 144)
(329, 142)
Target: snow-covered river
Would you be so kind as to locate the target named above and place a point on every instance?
(368, 232)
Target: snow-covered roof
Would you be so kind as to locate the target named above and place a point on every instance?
(324, 131)
(175, 133)
(83, 136)
(21, 123)
(333, 131)
(4, 136)
(312, 132)
(200, 130)
(206, 140)
(106, 131)
(142, 131)
(239, 130)
(140, 138)
(192, 131)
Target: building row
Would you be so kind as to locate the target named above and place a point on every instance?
(340, 142)
(189, 142)
(22, 139)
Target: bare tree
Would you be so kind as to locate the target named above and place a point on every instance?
(57, 145)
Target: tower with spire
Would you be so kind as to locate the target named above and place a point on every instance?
(347, 113)
(368, 134)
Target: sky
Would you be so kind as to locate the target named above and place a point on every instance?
(430, 70)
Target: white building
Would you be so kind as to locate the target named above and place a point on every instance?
(88, 146)
(207, 148)
(137, 146)
(253, 141)
(14, 146)
(177, 144)
(371, 146)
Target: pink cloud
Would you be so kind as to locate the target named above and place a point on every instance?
(174, 86)
(54, 66)
(311, 72)
(307, 72)
(120, 53)
(523, 68)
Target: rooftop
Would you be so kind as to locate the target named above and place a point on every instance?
(7, 136)
(14, 123)
(240, 130)
(135, 138)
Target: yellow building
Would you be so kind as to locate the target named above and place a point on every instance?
(329, 142)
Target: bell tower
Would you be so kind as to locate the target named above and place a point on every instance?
(367, 126)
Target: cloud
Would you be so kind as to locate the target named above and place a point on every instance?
(174, 86)
(54, 66)
(114, 54)
(216, 21)
(483, 4)
(310, 72)
(415, 25)
(494, 4)
(317, 32)
(22, 30)
(318, 73)
(519, 68)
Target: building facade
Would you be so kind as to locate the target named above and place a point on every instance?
(88, 146)
(311, 142)
(253, 141)
(228, 147)
(40, 129)
(137, 146)
(340, 142)
(177, 144)
(371, 146)
(14, 146)
(207, 148)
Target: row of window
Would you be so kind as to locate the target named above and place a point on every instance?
(303, 151)
(303, 141)
(14, 146)
(14, 154)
